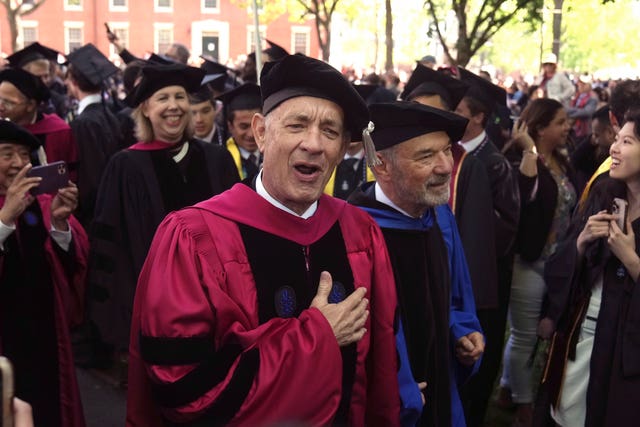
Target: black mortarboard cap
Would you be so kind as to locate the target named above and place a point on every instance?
(216, 81)
(201, 95)
(213, 67)
(483, 90)
(155, 77)
(14, 134)
(243, 97)
(92, 64)
(154, 58)
(365, 90)
(31, 86)
(275, 51)
(399, 121)
(300, 75)
(425, 81)
(30, 53)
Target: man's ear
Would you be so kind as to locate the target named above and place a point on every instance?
(614, 122)
(259, 128)
(382, 171)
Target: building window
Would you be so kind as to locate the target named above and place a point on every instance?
(163, 6)
(29, 33)
(210, 6)
(118, 6)
(163, 37)
(73, 36)
(300, 40)
(251, 38)
(121, 30)
(72, 4)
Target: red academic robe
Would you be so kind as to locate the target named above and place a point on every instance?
(192, 286)
(68, 309)
(59, 143)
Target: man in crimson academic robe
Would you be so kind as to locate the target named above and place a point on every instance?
(408, 200)
(271, 302)
(22, 93)
(43, 265)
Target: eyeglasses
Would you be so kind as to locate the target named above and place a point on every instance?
(9, 105)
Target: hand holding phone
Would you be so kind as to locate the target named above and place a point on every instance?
(54, 177)
(110, 34)
(619, 208)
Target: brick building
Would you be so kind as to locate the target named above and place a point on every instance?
(218, 28)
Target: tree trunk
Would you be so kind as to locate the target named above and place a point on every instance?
(325, 42)
(388, 65)
(12, 16)
(557, 26)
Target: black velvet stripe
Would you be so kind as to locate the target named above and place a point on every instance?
(285, 287)
(203, 378)
(228, 403)
(175, 351)
(103, 231)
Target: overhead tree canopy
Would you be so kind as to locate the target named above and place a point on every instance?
(477, 22)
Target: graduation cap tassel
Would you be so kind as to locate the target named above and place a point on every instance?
(369, 148)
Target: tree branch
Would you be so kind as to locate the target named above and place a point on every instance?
(440, 36)
(34, 6)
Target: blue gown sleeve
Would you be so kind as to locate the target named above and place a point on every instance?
(410, 395)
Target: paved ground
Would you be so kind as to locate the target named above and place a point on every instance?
(103, 402)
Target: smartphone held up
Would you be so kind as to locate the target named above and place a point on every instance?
(619, 208)
(54, 176)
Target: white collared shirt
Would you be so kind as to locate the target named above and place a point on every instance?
(88, 100)
(382, 198)
(473, 143)
(263, 192)
(62, 238)
(245, 153)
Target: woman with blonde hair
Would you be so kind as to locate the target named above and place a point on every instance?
(166, 170)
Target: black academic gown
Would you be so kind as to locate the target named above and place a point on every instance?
(421, 271)
(505, 198)
(97, 133)
(138, 189)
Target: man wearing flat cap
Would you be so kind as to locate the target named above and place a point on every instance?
(42, 62)
(271, 302)
(21, 93)
(442, 336)
(43, 265)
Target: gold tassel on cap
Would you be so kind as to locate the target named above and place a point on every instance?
(369, 148)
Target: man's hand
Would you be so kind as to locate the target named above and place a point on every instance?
(18, 197)
(348, 317)
(423, 386)
(22, 413)
(63, 205)
(469, 348)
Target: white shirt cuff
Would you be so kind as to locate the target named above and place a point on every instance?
(5, 232)
(62, 238)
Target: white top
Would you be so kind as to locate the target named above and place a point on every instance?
(572, 409)
(62, 238)
(263, 192)
(473, 143)
(382, 198)
(88, 100)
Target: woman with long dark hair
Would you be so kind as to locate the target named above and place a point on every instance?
(592, 376)
(548, 197)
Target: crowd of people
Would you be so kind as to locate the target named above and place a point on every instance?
(302, 246)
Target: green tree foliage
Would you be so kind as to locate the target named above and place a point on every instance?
(477, 22)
